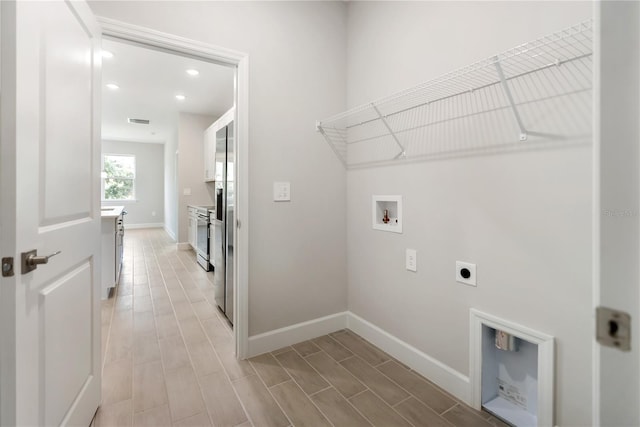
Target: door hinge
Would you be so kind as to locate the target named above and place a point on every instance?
(7, 267)
(613, 328)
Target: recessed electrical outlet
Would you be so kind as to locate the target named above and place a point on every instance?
(411, 260)
(466, 273)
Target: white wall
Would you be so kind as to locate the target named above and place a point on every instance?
(191, 129)
(524, 216)
(148, 208)
(171, 186)
(297, 74)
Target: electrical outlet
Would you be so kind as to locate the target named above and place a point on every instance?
(466, 273)
(411, 261)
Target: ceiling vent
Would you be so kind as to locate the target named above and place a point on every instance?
(138, 121)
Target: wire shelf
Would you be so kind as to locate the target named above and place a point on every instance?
(539, 90)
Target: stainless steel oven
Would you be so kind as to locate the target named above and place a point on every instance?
(202, 236)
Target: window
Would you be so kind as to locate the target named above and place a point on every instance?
(118, 177)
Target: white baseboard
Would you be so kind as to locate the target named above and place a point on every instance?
(170, 233)
(293, 334)
(148, 225)
(183, 246)
(444, 376)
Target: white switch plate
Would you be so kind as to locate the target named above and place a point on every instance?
(281, 191)
(411, 260)
(471, 279)
(186, 192)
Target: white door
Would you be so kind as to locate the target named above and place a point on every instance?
(617, 200)
(49, 201)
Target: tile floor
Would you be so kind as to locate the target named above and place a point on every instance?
(168, 360)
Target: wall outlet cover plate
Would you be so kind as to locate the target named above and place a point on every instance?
(411, 261)
(281, 191)
(466, 273)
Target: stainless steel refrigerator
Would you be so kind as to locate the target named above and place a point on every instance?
(224, 222)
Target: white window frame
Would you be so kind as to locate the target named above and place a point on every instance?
(134, 179)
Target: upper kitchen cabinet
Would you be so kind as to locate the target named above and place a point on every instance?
(211, 172)
(209, 153)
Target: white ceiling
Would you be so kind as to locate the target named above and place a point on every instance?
(149, 80)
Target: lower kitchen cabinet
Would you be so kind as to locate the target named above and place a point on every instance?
(192, 227)
(112, 245)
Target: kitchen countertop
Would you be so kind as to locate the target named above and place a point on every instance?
(210, 209)
(110, 212)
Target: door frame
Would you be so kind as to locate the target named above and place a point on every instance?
(616, 203)
(146, 37)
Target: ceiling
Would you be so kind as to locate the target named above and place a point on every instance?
(148, 82)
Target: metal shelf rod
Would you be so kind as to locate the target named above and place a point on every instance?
(507, 92)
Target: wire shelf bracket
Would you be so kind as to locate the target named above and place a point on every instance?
(537, 91)
(402, 152)
(514, 108)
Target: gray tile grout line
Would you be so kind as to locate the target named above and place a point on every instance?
(403, 388)
(376, 394)
(319, 391)
(162, 362)
(164, 377)
(366, 389)
(403, 400)
(206, 410)
(157, 341)
(107, 348)
(224, 369)
(302, 390)
(275, 385)
(271, 394)
(357, 379)
(337, 343)
(408, 391)
(442, 414)
(330, 386)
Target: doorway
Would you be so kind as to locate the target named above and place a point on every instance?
(145, 38)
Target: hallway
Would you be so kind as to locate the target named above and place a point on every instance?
(168, 360)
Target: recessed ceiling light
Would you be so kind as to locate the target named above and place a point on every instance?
(193, 72)
(181, 97)
(107, 54)
(113, 86)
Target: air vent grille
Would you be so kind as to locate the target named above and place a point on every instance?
(138, 121)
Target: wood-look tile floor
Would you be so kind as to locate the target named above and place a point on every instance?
(168, 360)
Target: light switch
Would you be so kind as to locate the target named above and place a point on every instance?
(411, 260)
(186, 192)
(281, 191)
